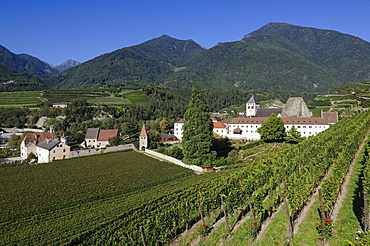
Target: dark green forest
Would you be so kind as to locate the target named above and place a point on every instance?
(13, 80)
(134, 66)
(278, 56)
(26, 63)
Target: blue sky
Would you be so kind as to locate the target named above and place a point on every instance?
(55, 31)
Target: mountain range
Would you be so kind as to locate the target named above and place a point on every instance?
(65, 65)
(278, 56)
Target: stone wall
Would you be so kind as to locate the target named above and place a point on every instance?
(86, 152)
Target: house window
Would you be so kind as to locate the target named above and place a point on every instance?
(54, 151)
(64, 150)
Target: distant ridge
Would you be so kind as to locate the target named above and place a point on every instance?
(278, 56)
(134, 66)
(65, 65)
(26, 63)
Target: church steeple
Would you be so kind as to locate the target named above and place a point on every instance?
(143, 143)
(251, 107)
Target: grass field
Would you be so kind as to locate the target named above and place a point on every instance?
(137, 97)
(51, 203)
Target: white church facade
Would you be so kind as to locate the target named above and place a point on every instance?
(245, 128)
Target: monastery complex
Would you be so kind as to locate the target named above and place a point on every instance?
(294, 113)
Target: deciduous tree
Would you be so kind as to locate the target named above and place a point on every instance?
(272, 130)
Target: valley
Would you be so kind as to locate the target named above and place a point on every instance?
(271, 187)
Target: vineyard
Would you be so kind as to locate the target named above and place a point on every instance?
(52, 203)
(257, 190)
(129, 199)
(109, 96)
(20, 98)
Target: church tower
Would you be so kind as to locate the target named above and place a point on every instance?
(143, 143)
(252, 106)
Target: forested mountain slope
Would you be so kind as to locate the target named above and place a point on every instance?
(132, 66)
(278, 57)
(13, 80)
(25, 63)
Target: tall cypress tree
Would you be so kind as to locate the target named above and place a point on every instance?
(198, 131)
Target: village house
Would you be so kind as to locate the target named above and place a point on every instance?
(60, 105)
(96, 138)
(45, 146)
(29, 142)
(245, 128)
(52, 149)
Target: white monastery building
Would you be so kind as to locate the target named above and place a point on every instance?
(294, 113)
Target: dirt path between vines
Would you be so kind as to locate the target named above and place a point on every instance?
(342, 194)
(306, 209)
(344, 188)
(301, 217)
(265, 224)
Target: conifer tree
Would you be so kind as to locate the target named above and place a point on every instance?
(198, 131)
(293, 136)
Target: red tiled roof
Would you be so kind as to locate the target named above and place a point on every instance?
(218, 125)
(286, 120)
(253, 120)
(180, 121)
(331, 117)
(37, 137)
(105, 135)
(305, 120)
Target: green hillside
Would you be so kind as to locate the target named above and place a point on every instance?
(134, 66)
(278, 57)
(13, 80)
(26, 63)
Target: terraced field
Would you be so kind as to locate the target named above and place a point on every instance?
(20, 99)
